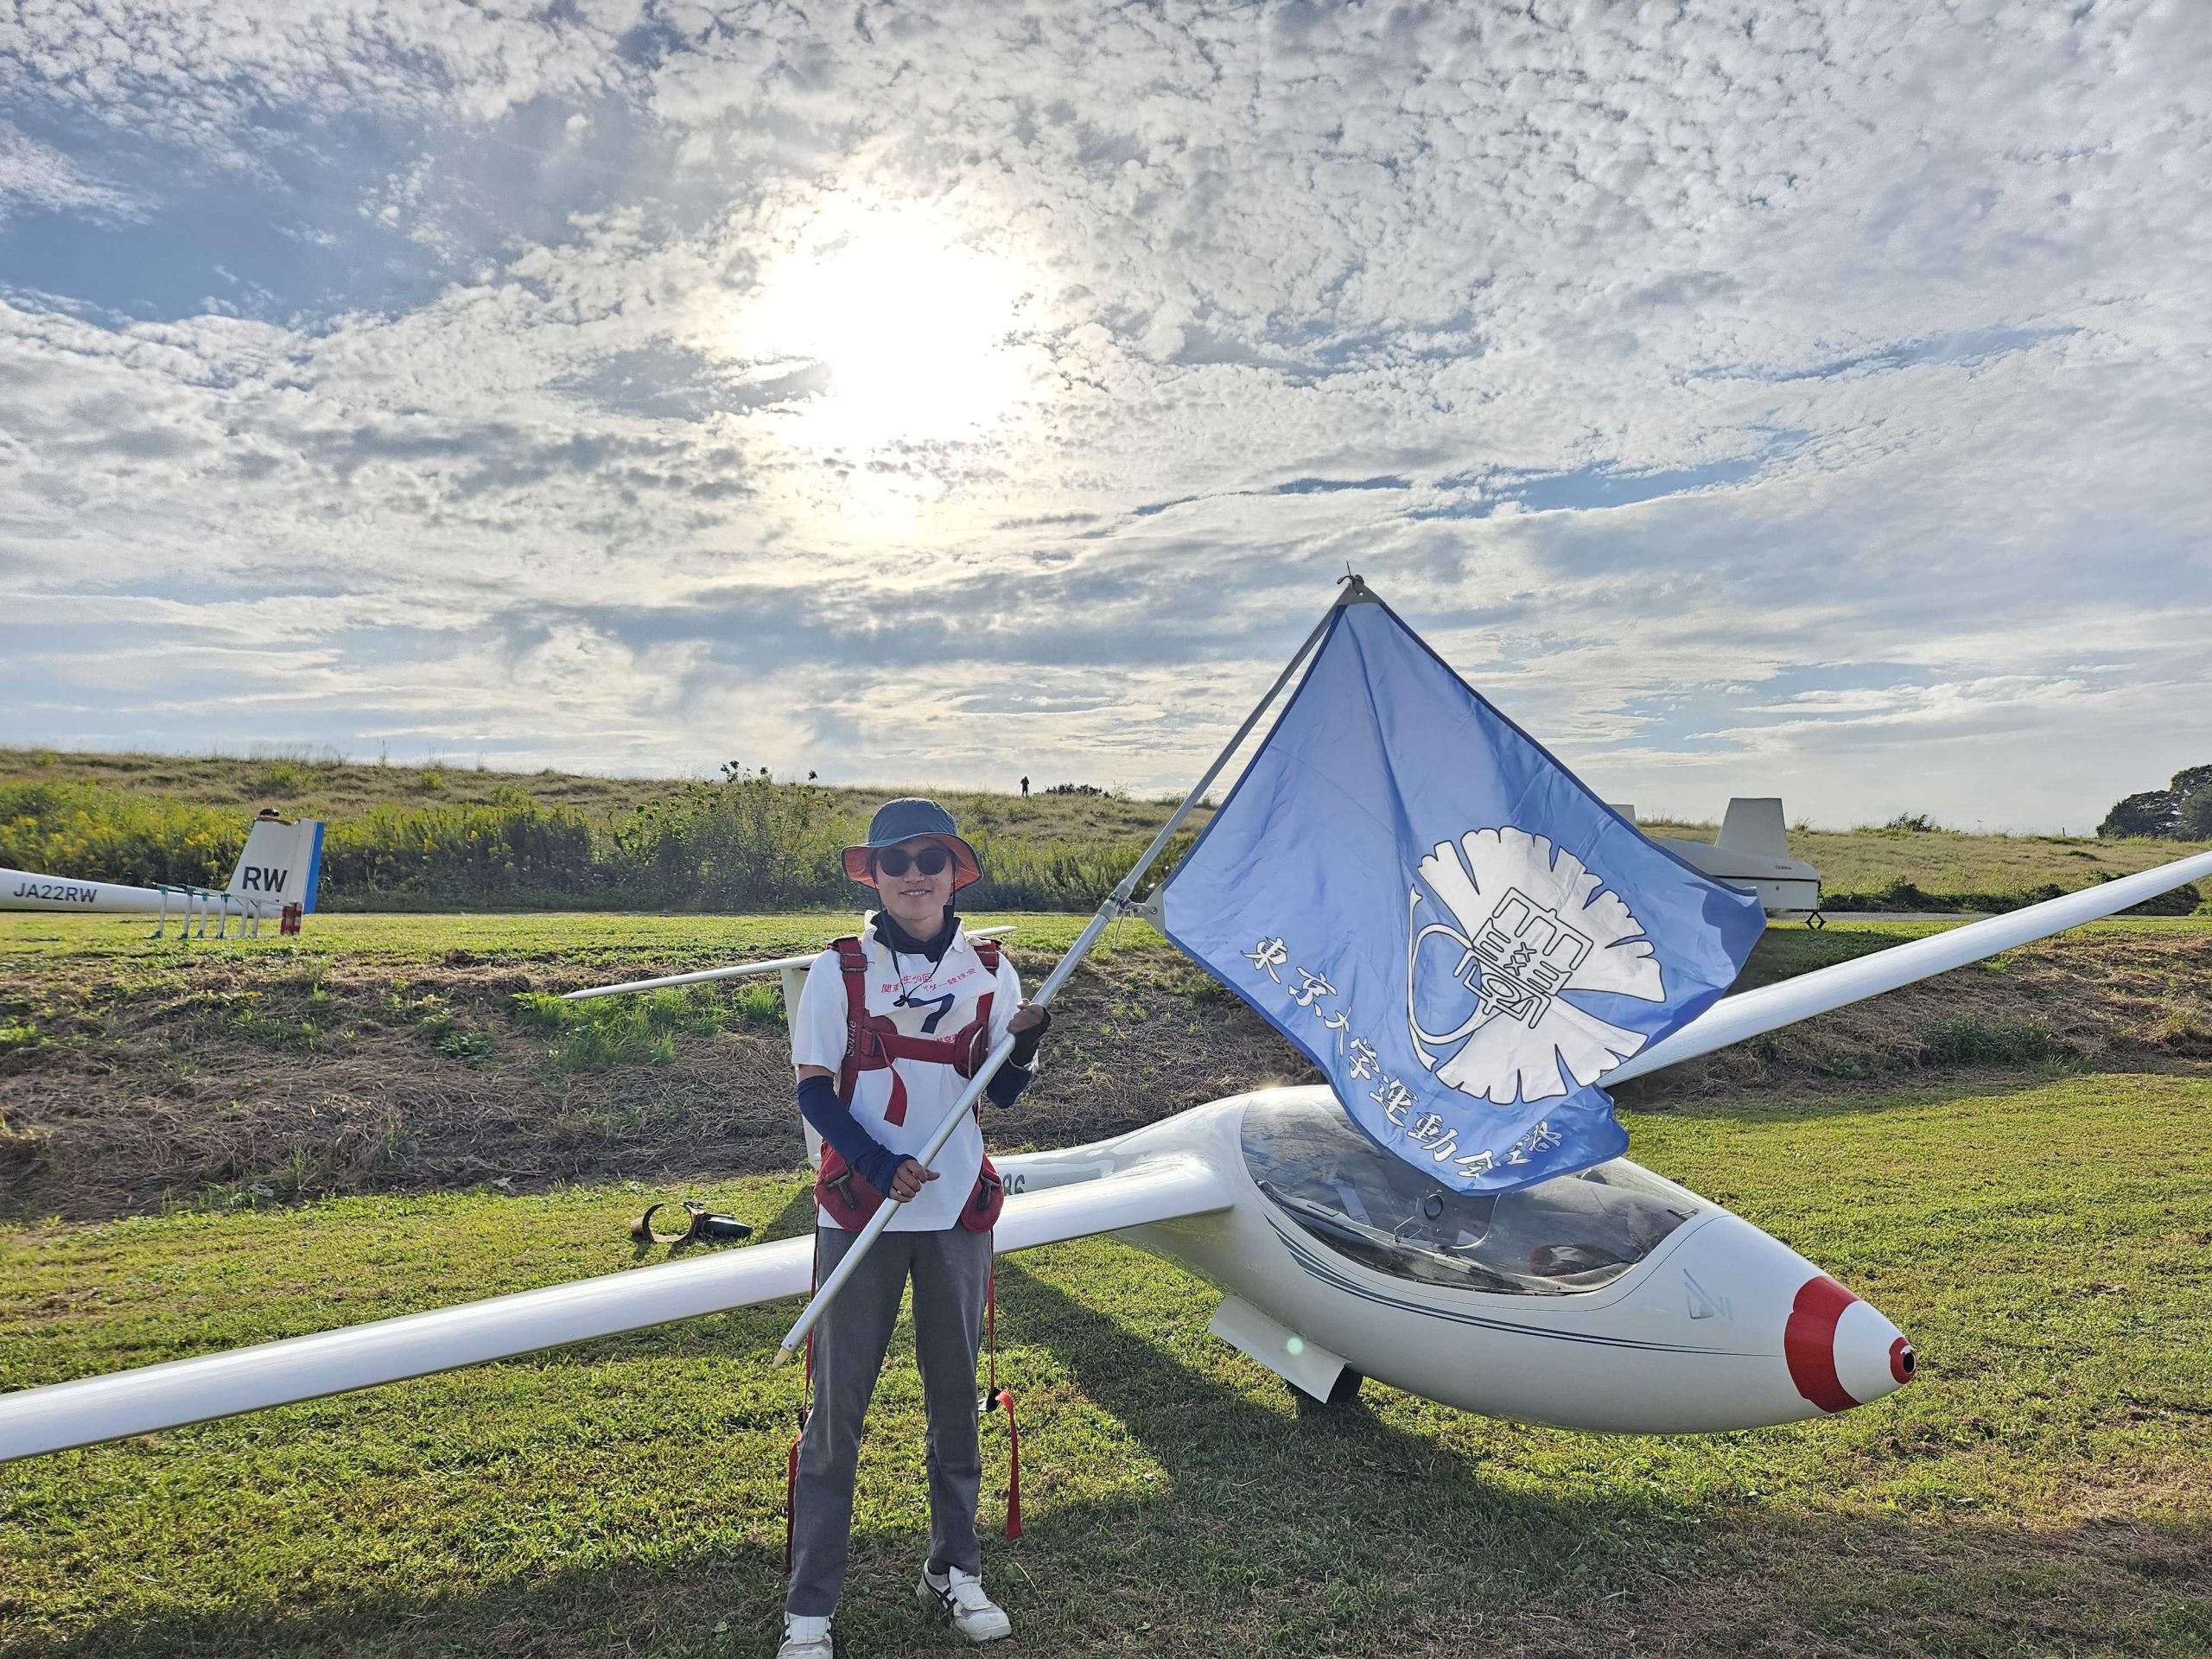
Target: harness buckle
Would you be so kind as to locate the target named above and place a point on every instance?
(987, 1184)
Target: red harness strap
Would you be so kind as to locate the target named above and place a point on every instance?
(874, 1040)
(839, 1188)
(995, 1397)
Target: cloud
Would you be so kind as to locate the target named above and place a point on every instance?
(1757, 397)
(35, 177)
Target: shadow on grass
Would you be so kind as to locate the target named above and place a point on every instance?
(1172, 1513)
(794, 1220)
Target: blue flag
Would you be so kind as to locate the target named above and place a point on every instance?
(1463, 936)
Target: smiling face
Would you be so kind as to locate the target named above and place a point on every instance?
(914, 900)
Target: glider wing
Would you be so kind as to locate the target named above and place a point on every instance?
(1785, 1002)
(64, 1415)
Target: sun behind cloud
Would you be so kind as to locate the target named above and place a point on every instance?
(920, 331)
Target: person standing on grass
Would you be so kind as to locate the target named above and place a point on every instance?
(890, 1028)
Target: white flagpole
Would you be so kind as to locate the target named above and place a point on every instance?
(1355, 592)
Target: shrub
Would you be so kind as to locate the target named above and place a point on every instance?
(2193, 821)
(747, 843)
(102, 835)
(2150, 813)
(608, 1033)
(509, 847)
(464, 1045)
(2175, 901)
(282, 778)
(2183, 809)
(542, 1009)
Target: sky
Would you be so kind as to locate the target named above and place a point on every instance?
(1807, 399)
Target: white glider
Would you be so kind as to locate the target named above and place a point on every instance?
(278, 866)
(1335, 1258)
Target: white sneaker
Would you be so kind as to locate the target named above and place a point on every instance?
(804, 1637)
(959, 1597)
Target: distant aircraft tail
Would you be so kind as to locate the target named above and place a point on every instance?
(281, 864)
(1754, 825)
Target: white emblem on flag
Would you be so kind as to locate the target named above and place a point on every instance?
(1531, 924)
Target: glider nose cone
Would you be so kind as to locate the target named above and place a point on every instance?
(1841, 1351)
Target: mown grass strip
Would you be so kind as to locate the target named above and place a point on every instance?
(2047, 1487)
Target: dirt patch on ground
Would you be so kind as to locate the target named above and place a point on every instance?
(236, 1083)
(2137, 997)
(127, 1086)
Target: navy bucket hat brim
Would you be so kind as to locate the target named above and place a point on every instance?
(911, 819)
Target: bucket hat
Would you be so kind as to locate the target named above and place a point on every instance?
(904, 820)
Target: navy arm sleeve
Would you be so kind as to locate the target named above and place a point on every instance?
(833, 1120)
(1007, 1084)
(1009, 1080)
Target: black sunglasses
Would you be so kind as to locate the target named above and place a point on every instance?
(895, 861)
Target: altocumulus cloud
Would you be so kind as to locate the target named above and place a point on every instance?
(1750, 398)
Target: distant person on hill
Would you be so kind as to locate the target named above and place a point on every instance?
(892, 1026)
(1024, 785)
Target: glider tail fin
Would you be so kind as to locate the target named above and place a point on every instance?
(1754, 825)
(281, 864)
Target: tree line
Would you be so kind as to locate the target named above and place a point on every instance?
(2180, 811)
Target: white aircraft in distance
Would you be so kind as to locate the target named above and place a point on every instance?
(1610, 1299)
(1752, 852)
(278, 866)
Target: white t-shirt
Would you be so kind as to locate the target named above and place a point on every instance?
(942, 999)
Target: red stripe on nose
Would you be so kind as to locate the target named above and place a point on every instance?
(1808, 1343)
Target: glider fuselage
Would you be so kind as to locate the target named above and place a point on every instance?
(1611, 1301)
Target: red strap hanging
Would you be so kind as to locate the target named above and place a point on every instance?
(995, 1397)
(791, 1498)
(1014, 1470)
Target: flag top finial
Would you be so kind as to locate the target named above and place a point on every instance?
(1356, 591)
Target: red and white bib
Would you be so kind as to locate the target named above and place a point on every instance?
(927, 1029)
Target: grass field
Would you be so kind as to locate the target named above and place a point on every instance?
(422, 1053)
(2046, 1487)
(2015, 1163)
(1946, 865)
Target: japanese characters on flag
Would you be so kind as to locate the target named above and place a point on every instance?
(1462, 937)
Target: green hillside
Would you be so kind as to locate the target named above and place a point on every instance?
(299, 785)
(1951, 869)
(433, 837)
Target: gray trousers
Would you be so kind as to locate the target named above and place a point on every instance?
(950, 1269)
